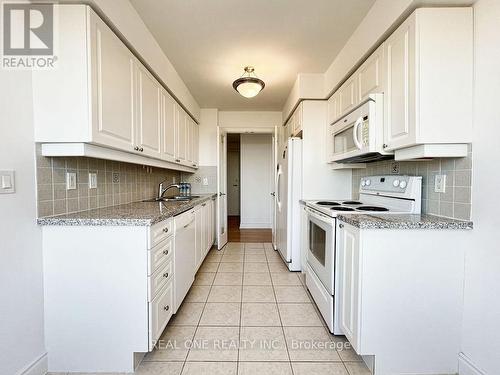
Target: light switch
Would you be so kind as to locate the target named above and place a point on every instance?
(92, 180)
(70, 181)
(7, 182)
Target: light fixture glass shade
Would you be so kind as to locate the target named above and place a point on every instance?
(248, 85)
(249, 89)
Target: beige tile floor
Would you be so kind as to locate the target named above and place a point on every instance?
(247, 314)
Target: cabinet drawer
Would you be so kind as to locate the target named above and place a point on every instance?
(159, 232)
(159, 279)
(159, 254)
(160, 312)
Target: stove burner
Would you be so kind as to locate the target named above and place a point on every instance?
(341, 208)
(372, 208)
(351, 202)
(328, 203)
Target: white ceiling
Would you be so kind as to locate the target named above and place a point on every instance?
(210, 41)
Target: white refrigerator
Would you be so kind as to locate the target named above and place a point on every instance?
(289, 193)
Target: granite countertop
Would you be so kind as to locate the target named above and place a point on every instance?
(403, 221)
(131, 214)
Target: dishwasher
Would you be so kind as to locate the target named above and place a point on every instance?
(184, 255)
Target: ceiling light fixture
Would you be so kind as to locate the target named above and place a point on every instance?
(248, 85)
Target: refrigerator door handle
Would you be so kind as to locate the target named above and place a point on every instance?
(278, 187)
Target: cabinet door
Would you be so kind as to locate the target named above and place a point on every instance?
(113, 67)
(181, 134)
(348, 261)
(348, 97)
(148, 113)
(195, 144)
(399, 129)
(199, 249)
(168, 126)
(297, 125)
(370, 75)
(333, 108)
(189, 139)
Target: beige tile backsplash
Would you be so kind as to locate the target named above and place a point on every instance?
(133, 183)
(454, 203)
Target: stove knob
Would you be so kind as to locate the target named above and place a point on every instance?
(363, 183)
(368, 182)
(395, 183)
(402, 184)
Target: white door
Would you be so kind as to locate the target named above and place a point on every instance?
(113, 93)
(149, 114)
(221, 188)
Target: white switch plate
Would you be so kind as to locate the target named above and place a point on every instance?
(205, 181)
(70, 181)
(440, 183)
(92, 180)
(7, 182)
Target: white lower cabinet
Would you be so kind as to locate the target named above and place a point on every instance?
(116, 288)
(399, 296)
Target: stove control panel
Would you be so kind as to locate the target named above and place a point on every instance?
(386, 184)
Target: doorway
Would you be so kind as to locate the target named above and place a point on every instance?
(250, 187)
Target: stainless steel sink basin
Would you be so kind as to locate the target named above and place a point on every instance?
(178, 198)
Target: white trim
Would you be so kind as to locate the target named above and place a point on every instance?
(38, 367)
(93, 151)
(255, 226)
(260, 130)
(466, 367)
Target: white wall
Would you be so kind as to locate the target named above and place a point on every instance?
(249, 119)
(256, 180)
(209, 119)
(481, 323)
(21, 289)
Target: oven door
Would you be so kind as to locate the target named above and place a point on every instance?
(321, 247)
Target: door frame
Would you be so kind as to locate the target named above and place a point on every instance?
(222, 175)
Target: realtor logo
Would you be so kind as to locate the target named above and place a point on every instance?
(28, 35)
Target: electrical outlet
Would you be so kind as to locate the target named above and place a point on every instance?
(7, 182)
(395, 167)
(70, 181)
(92, 180)
(174, 180)
(205, 181)
(116, 177)
(440, 183)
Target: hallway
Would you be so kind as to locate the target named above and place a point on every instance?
(235, 234)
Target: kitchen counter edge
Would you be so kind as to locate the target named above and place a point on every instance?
(129, 214)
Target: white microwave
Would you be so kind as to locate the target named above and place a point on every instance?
(359, 136)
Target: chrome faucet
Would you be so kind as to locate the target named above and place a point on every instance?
(162, 190)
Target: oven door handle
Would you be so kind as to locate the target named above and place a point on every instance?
(318, 215)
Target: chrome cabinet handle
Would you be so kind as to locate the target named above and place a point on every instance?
(384, 145)
(178, 160)
(136, 148)
(165, 275)
(165, 230)
(166, 308)
(203, 205)
(165, 252)
(194, 165)
(341, 226)
(141, 149)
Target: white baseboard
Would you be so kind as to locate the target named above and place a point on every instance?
(255, 226)
(466, 367)
(38, 367)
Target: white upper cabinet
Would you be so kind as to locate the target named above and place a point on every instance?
(370, 75)
(148, 113)
(333, 108)
(429, 68)
(168, 121)
(348, 95)
(181, 131)
(113, 95)
(104, 96)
